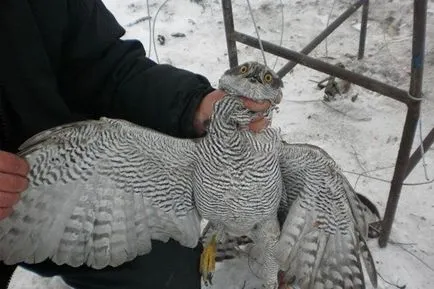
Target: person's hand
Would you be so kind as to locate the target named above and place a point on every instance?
(204, 111)
(13, 172)
(260, 123)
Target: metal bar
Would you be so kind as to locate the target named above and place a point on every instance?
(230, 30)
(314, 43)
(417, 155)
(418, 51)
(363, 29)
(358, 79)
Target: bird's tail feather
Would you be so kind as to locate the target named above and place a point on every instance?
(368, 261)
(311, 256)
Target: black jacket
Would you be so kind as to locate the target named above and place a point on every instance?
(63, 60)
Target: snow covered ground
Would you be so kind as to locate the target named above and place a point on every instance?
(362, 135)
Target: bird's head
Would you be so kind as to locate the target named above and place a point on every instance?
(253, 80)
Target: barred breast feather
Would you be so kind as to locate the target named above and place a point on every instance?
(237, 180)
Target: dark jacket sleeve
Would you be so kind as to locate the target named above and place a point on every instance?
(107, 76)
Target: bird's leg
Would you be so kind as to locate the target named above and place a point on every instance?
(207, 260)
(265, 236)
(208, 256)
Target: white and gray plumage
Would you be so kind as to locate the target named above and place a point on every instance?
(322, 225)
(100, 190)
(323, 233)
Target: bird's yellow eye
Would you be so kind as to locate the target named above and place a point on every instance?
(268, 78)
(243, 69)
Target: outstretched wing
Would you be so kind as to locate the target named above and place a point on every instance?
(323, 225)
(99, 192)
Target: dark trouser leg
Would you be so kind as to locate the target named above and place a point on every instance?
(5, 274)
(168, 265)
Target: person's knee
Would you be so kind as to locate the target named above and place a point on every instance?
(6, 272)
(168, 265)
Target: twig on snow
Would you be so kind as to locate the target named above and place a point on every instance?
(343, 113)
(356, 155)
(390, 283)
(417, 257)
(387, 181)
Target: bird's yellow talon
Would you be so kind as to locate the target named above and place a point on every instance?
(207, 260)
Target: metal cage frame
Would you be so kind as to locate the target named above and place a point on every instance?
(406, 161)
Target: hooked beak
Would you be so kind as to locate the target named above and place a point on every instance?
(254, 79)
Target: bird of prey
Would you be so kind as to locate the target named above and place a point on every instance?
(101, 190)
(323, 226)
